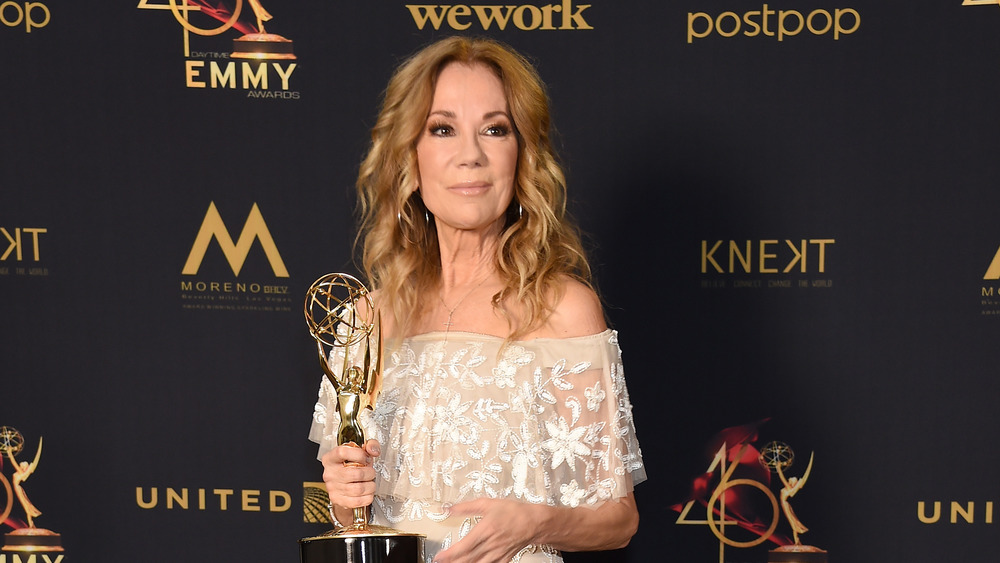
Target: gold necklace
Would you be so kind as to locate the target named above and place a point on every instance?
(451, 310)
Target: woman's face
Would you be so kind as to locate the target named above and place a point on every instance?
(467, 154)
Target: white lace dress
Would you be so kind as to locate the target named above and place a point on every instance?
(545, 421)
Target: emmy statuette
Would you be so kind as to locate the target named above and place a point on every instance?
(778, 457)
(30, 539)
(341, 316)
(262, 46)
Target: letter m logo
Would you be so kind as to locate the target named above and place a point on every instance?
(993, 272)
(236, 253)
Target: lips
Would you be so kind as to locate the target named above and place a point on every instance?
(469, 188)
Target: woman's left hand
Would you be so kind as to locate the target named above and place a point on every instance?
(504, 528)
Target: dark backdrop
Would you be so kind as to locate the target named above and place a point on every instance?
(874, 142)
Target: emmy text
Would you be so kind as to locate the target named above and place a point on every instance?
(30, 558)
(225, 75)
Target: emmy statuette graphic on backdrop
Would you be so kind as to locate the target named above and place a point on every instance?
(777, 456)
(733, 509)
(341, 316)
(30, 539)
(262, 45)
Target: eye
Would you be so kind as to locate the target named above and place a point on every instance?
(497, 130)
(440, 130)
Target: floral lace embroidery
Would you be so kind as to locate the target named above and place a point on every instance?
(464, 419)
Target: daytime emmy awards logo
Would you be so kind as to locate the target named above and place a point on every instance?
(735, 496)
(258, 61)
(26, 540)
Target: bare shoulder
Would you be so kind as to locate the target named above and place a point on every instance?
(578, 312)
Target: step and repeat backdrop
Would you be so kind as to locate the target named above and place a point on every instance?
(791, 206)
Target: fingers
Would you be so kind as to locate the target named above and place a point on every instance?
(469, 508)
(351, 495)
(485, 543)
(346, 454)
(495, 536)
(373, 448)
(350, 486)
(352, 453)
(349, 476)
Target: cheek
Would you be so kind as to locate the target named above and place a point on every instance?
(425, 164)
(507, 161)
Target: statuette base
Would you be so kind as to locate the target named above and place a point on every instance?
(262, 46)
(374, 545)
(796, 554)
(32, 540)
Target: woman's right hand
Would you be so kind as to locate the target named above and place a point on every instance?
(349, 475)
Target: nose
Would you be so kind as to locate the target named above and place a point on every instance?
(471, 152)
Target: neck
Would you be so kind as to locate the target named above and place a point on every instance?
(468, 274)
(467, 258)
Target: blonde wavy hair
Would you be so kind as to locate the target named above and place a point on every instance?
(539, 244)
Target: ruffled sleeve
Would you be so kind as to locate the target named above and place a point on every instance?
(462, 416)
(588, 442)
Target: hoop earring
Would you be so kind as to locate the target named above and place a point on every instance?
(520, 212)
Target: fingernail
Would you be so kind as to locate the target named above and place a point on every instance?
(376, 449)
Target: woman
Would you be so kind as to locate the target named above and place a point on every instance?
(506, 423)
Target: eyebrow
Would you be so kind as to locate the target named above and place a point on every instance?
(451, 115)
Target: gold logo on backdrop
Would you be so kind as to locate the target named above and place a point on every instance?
(770, 263)
(715, 510)
(23, 254)
(32, 15)
(763, 256)
(729, 505)
(989, 293)
(315, 503)
(269, 46)
(24, 539)
(16, 243)
(221, 499)
(777, 24)
(960, 512)
(259, 61)
(526, 17)
(993, 272)
(236, 253)
(262, 45)
(979, 2)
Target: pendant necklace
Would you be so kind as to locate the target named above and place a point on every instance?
(451, 310)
